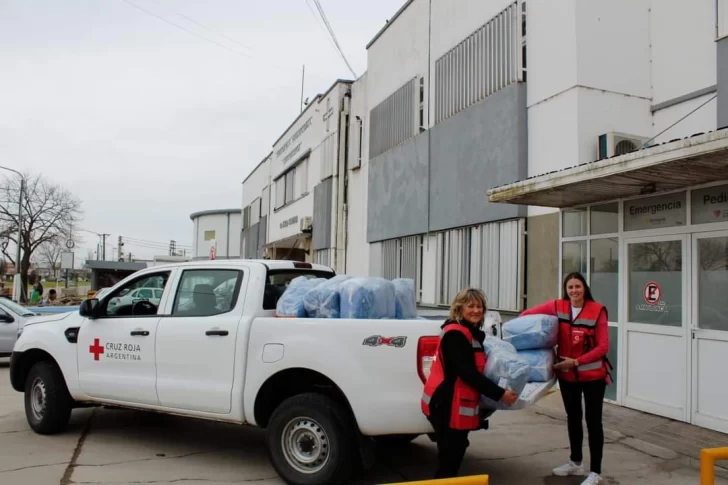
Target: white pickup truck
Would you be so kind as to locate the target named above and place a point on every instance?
(212, 348)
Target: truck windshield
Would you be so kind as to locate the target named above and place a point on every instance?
(278, 279)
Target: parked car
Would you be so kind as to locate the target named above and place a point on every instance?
(152, 295)
(211, 347)
(12, 318)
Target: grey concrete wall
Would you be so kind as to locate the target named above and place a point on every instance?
(251, 237)
(397, 203)
(479, 148)
(322, 202)
(542, 259)
(722, 65)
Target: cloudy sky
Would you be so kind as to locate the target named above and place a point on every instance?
(147, 123)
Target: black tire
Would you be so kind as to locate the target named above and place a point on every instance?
(395, 439)
(316, 429)
(48, 404)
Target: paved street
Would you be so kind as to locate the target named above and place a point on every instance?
(106, 446)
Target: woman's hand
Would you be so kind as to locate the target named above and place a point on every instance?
(566, 363)
(509, 397)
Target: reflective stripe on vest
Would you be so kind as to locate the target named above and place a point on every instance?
(426, 398)
(563, 316)
(468, 411)
(592, 366)
(473, 342)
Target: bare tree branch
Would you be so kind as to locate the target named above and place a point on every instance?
(49, 213)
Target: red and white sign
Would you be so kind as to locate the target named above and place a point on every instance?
(652, 293)
(212, 251)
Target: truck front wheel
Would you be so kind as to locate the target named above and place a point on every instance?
(310, 441)
(47, 402)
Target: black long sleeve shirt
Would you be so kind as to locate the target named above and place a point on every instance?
(458, 359)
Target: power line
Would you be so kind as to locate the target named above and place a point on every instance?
(333, 36)
(235, 51)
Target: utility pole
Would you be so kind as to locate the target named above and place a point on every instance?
(103, 249)
(172, 247)
(120, 250)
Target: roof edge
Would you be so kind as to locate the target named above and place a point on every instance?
(389, 22)
(213, 212)
(258, 166)
(317, 97)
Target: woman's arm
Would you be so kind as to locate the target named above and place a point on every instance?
(458, 355)
(602, 347)
(548, 308)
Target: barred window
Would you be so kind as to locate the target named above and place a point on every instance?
(487, 61)
(392, 121)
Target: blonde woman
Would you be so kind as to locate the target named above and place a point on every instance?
(452, 392)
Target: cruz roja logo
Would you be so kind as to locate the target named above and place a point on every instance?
(115, 351)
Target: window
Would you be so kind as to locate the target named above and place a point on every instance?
(402, 258)
(278, 280)
(136, 298)
(205, 293)
(393, 120)
(292, 185)
(280, 192)
(209, 235)
(485, 62)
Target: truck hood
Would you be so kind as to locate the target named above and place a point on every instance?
(56, 317)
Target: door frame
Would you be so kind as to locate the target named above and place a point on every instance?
(696, 418)
(683, 331)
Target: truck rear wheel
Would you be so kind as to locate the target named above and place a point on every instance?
(310, 441)
(47, 402)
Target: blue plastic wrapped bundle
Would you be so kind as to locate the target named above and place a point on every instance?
(290, 304)
(532, 332)
(491, 344)
(406, 304)
(541, 362)
(509, 371)
(323, 301)
(367, 298)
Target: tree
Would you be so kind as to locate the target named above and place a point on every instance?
(50, 254)
(49, 213)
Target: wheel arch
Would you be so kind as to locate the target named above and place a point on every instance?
(291, 382)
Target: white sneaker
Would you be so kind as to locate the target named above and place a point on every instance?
(570, 468)
(592, 479)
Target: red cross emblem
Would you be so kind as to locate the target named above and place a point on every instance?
(96, 349)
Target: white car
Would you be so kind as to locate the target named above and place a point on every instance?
(324, 389)
(153, 295)
(12, 318)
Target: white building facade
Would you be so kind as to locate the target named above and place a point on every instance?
(465, 159)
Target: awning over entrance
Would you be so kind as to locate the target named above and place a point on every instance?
(674, 165)
(289, 242)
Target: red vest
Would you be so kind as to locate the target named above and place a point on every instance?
(466, 400)
(579, 337)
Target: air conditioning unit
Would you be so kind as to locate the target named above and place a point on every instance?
(612, 144)
(306, 224)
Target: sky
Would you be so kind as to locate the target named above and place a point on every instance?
(147, 123)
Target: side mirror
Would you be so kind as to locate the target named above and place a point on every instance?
(89, 308)
(5, 318)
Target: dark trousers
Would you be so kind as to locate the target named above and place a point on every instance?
(593, 392)
(451, 446)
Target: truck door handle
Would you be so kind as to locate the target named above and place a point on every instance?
(221, 333)
(143, 333)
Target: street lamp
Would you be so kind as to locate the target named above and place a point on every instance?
(18, 280)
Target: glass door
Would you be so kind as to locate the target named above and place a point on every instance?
(709, 330)
(655, 334)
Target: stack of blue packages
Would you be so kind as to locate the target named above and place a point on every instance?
(367, 298)
(532, 332)
(290, 304)
(324, 301)
(507, 369)
(541, 362)
(405, 301)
